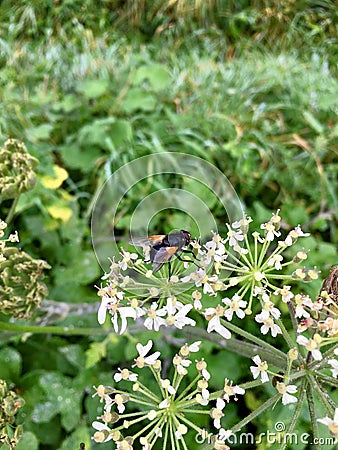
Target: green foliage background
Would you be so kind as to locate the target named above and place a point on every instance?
(250, 86)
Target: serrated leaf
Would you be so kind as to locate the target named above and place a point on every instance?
(96, 351)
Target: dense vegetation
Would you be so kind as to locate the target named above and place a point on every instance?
(88, 86)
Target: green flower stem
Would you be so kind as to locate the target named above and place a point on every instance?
(266, 351)
(255, 413)
(296, 412)
(323, 397)
(311, 406)
(326, 379)
(254, 339)
(66, 331)
(12, 210)
(247, 385)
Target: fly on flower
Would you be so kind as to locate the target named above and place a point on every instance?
(162, 247)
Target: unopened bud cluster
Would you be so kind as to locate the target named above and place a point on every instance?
(21, 286)
(10, 403)
(17, 169)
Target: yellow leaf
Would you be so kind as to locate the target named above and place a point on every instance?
(54, 182)
(63, 213)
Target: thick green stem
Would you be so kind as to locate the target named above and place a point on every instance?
(311, 406)
(54, 330)
(12, 210)
(295, 415)
(268, 353)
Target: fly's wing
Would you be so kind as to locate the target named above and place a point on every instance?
(162, 256)
(147, 240)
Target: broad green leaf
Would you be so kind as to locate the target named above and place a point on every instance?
(77, 158)
(72, 442)
(44, 412)
(11, 361)
(67, 104)
(93, 88)
(74, 354)
(40, 132)
(83, 270)
(28, 441)
(157, 75)
(138, 99)
(121, 132)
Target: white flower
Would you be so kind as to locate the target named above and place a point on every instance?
(229, 390)
(235, 305)
(214, 324)
(154, 319)
(270, 231)
(285, 292)
(260, 369)
(195, 346)
(234, 236)
(334, 364)
(332, 424)
(178, 320)
(144, 360)
(216, 413)
(302, 301)
(286, 392)
(270, 307)
(181, 364)
(124, 312)
(127, 259)
(312, 345)
(125, 374)
(276, 262)
(101, 426)
(268, 323)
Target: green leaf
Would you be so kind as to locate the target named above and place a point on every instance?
(44, 412)
(67, 104)
(11, 362)
(74, 355)
(72, 442)
(77, 158)
(40, 132)
(93, 88)
(84, 270)
(157, 75)
(138, 99)
(313, 122)
(28, 441)
(121, 132)
(96, 351)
